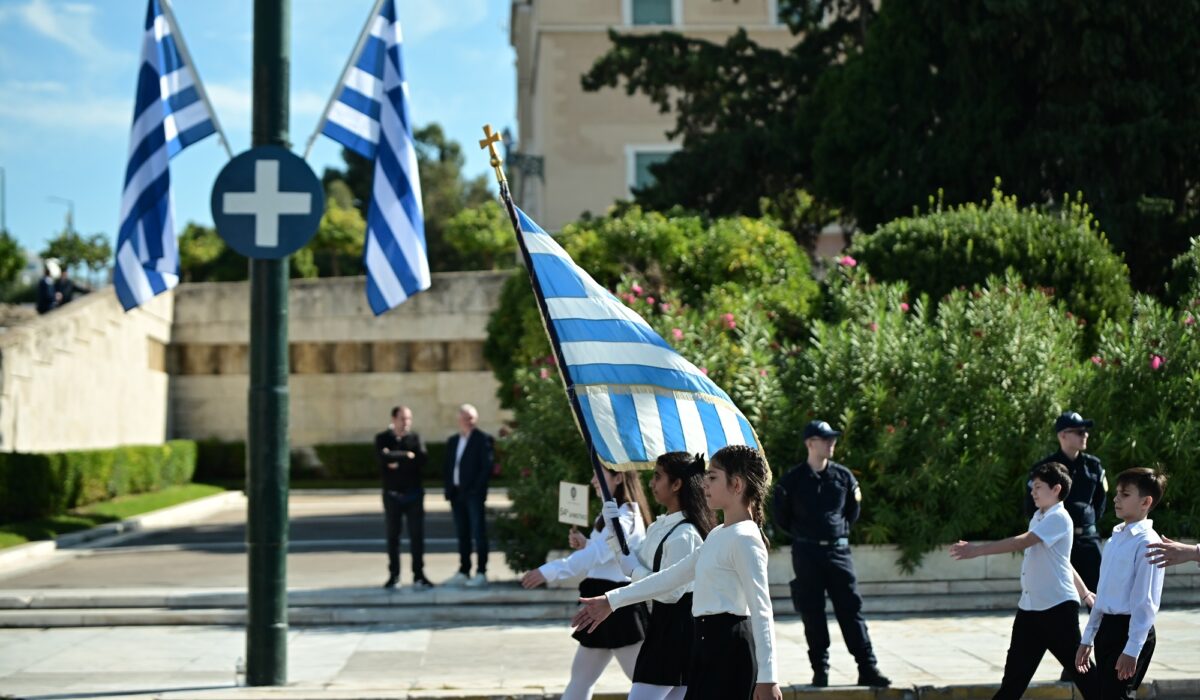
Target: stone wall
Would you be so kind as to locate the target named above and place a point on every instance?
(86, 376)
(348, 367)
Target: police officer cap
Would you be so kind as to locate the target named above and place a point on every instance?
(1071, 419)
(821, 429)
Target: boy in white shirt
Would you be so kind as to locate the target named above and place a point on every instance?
(1048, 612)
(1121, 626)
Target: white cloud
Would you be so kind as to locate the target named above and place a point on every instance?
(37, 106)
(232, 104)
(73, 26)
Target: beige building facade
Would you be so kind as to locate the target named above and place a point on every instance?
(595, 147)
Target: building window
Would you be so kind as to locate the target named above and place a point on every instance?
(652, 11)
(640, 160)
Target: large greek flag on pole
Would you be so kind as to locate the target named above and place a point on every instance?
(169, 115)
(637, 396)
(370, 116)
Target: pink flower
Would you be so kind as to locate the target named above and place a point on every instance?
(1157, 361)
(665, 307)
(544, 373)
(1190, 320)
(891, 429)
(904, 306)
(847, 261)
(729, 322)
(1097, 360)
(762, 372)
(637, 289)
(677, 334)
(873, 326)
(650, 301)
(704, 371)
(629, 298)
(525, 472)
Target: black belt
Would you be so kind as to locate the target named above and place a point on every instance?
(839, 542)
(1088, 531)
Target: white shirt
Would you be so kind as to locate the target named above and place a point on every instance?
(730, 573)
(458, 453)
(596, 560)
(684, 540)
(1129, 584)
(1046, 575)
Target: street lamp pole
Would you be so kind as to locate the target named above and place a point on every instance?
(70, 210)
(3, 200)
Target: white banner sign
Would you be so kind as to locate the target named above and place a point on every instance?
(573, 504)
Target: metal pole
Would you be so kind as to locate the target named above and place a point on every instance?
(70, 210)
(3, 198)
(267, 430)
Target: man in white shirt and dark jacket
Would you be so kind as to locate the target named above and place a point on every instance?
(816, 503)
(470, 458)
(402, 457)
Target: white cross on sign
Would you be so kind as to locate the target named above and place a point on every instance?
(267, 203)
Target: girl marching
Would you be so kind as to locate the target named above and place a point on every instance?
(733, 652)
(622, 635)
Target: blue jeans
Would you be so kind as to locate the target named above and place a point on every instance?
(470, 524)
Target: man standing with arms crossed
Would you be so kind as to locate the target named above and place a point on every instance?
(402, 456)
(816, 503)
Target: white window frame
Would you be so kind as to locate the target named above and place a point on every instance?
(631, 152)
(676, 14)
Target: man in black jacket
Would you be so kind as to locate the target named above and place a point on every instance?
(816, 503)
(467, 471)
(402, 457)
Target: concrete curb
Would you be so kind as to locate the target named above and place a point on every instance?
(26, 555)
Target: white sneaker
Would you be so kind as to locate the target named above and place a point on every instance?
(458, 579)
(477, 581)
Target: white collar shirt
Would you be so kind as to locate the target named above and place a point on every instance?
(730, 574)
(681, 542)
(596, 560)
(458, 453)
(1129, 584)
(1046, 575)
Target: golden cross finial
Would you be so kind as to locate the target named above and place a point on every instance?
(492, 138)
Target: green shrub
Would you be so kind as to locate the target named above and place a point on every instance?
(45, 484)
(1142, 389)
(1183, 287)
(943, 411)
(962, 246)
(226, 461)
(217, 460)
(678, 256)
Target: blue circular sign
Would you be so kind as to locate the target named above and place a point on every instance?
(267, 203)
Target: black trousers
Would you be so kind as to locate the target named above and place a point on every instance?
(1109, 645)
(397, 508)
(470, 524)
(829, 569)
(724, 665)
(1034, 632)
(1085, 557)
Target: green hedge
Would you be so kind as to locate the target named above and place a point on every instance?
(46, 484)
(960, 247)
(221, 461)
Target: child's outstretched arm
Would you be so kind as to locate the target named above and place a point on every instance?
(966, 550)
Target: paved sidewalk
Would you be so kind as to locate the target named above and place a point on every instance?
(483, 661)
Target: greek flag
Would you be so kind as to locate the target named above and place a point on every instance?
(637, 397)
(169, 115)
(370, 117)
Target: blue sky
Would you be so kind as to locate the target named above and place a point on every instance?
(68, 67)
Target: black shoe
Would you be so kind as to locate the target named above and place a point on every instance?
(870, 676)
(820, 679)
(391, 582)
(422, 584)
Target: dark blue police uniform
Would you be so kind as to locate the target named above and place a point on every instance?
(817, 509)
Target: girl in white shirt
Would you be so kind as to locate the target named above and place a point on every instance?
(733, 652)
(678, 485)
(621, 636)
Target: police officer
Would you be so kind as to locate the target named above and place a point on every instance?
(1088, 496)
(817, 502)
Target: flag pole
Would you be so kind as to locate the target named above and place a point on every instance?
(490, 143)
(169, 14)
(337, 87)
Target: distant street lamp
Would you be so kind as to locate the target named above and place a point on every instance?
(3, 205)
(70, 210)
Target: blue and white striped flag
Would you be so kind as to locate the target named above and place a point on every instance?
(370, 116)
(637, 396)
(169, 115)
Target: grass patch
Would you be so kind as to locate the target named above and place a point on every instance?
(99, 513)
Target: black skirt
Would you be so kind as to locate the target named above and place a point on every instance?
(724, 666)
(625, 626)
(666, 655)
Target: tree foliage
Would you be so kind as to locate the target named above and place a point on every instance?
(75, 251)
(873, 111)
(483, 237)
(338, 242)
(204, 257)
(12, 259)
